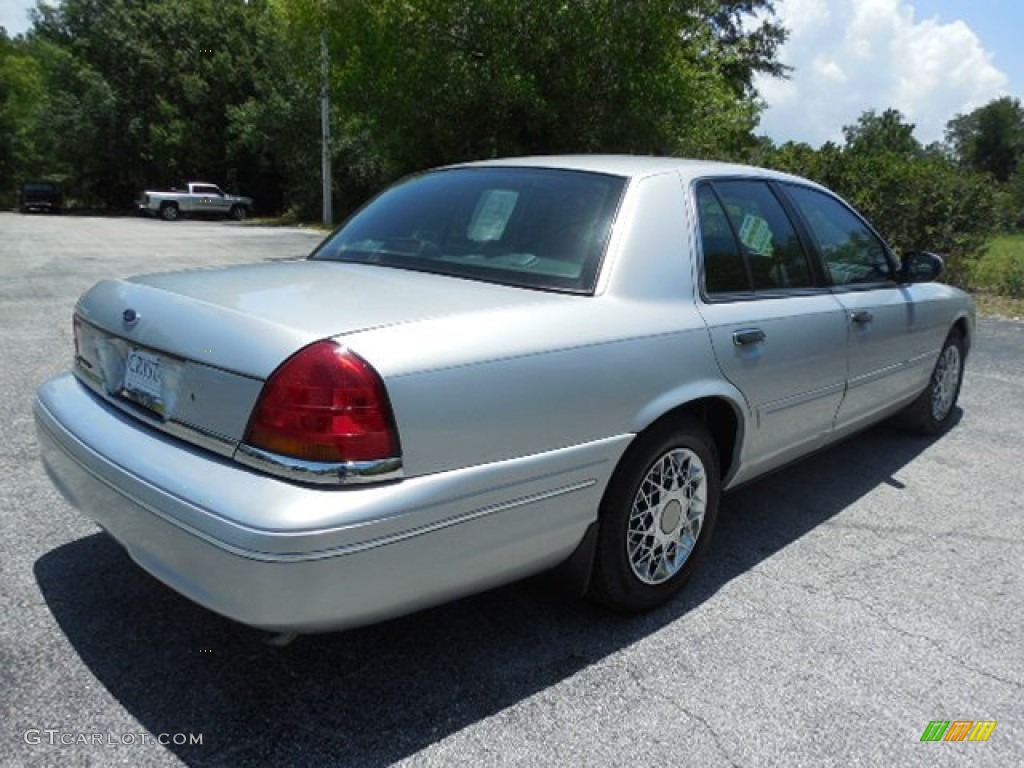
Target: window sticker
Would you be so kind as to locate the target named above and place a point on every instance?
(491, 216)
(756, 235)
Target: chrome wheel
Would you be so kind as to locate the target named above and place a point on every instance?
(657, 515)
(946, 382)
(932, 412)
(666, 516)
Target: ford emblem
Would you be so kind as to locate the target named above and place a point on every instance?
(130, 316)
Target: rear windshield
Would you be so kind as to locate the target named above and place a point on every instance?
(39, 188)
(536, 228)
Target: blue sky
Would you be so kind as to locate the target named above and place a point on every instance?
(931, 59)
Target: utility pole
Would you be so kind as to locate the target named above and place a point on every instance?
(325, 130)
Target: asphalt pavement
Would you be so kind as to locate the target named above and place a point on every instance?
(846, 602)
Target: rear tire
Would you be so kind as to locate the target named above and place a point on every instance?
(932, 412)
(169, 212)
(657, 517)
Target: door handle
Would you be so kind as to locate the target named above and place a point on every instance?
(748, 336)
(861, 317)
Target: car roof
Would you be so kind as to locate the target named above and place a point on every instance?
(635, 166)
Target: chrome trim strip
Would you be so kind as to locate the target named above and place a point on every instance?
(805, 397)
(190, 433)
(881, 373)
(319, 473)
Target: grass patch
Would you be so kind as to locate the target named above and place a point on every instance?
(997, 278)
(999, 306)
(1000, 270)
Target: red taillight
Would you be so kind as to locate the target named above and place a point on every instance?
(324, 404)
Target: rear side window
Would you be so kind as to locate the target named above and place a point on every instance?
(748, 241)
(725, 270)
(852, 252)
(530, 227)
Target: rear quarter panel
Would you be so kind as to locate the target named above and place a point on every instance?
(483, 387)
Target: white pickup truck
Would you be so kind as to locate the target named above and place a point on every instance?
(200, 199)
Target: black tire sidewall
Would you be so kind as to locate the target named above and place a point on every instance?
(614, 582)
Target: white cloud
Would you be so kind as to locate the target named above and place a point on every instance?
(853, 55)
(830, 69)
(14, 15)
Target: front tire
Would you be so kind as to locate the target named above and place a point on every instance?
(657, 517)
(932, 412)
(238, 212)
(169, 212)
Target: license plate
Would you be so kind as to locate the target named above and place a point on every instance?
(142, 380)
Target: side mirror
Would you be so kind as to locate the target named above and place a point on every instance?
(920, 267)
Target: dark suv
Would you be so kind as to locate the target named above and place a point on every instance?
(41, 196)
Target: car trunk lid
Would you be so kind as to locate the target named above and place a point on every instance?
(188, 352)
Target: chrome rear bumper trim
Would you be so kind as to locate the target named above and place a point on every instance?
(319, 473)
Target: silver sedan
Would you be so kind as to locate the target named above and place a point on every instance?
(488, 371)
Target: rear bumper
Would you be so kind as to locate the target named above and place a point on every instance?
(38, 206)
(283, 557)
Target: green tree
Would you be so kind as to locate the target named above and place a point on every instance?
(876, 134)
(21, 89)
(1014, 204)
(917, 198)
(278, 126)
(144, 92)
(417, 83)
(990, 139)
(140, 91)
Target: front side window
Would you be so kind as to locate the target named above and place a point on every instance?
(537, 228)
(748, 241)
(853, 253)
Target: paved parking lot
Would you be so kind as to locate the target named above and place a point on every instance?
(846, 603)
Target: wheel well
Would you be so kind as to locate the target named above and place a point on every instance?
(169, 204)
(961, 325)
(719, 416)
